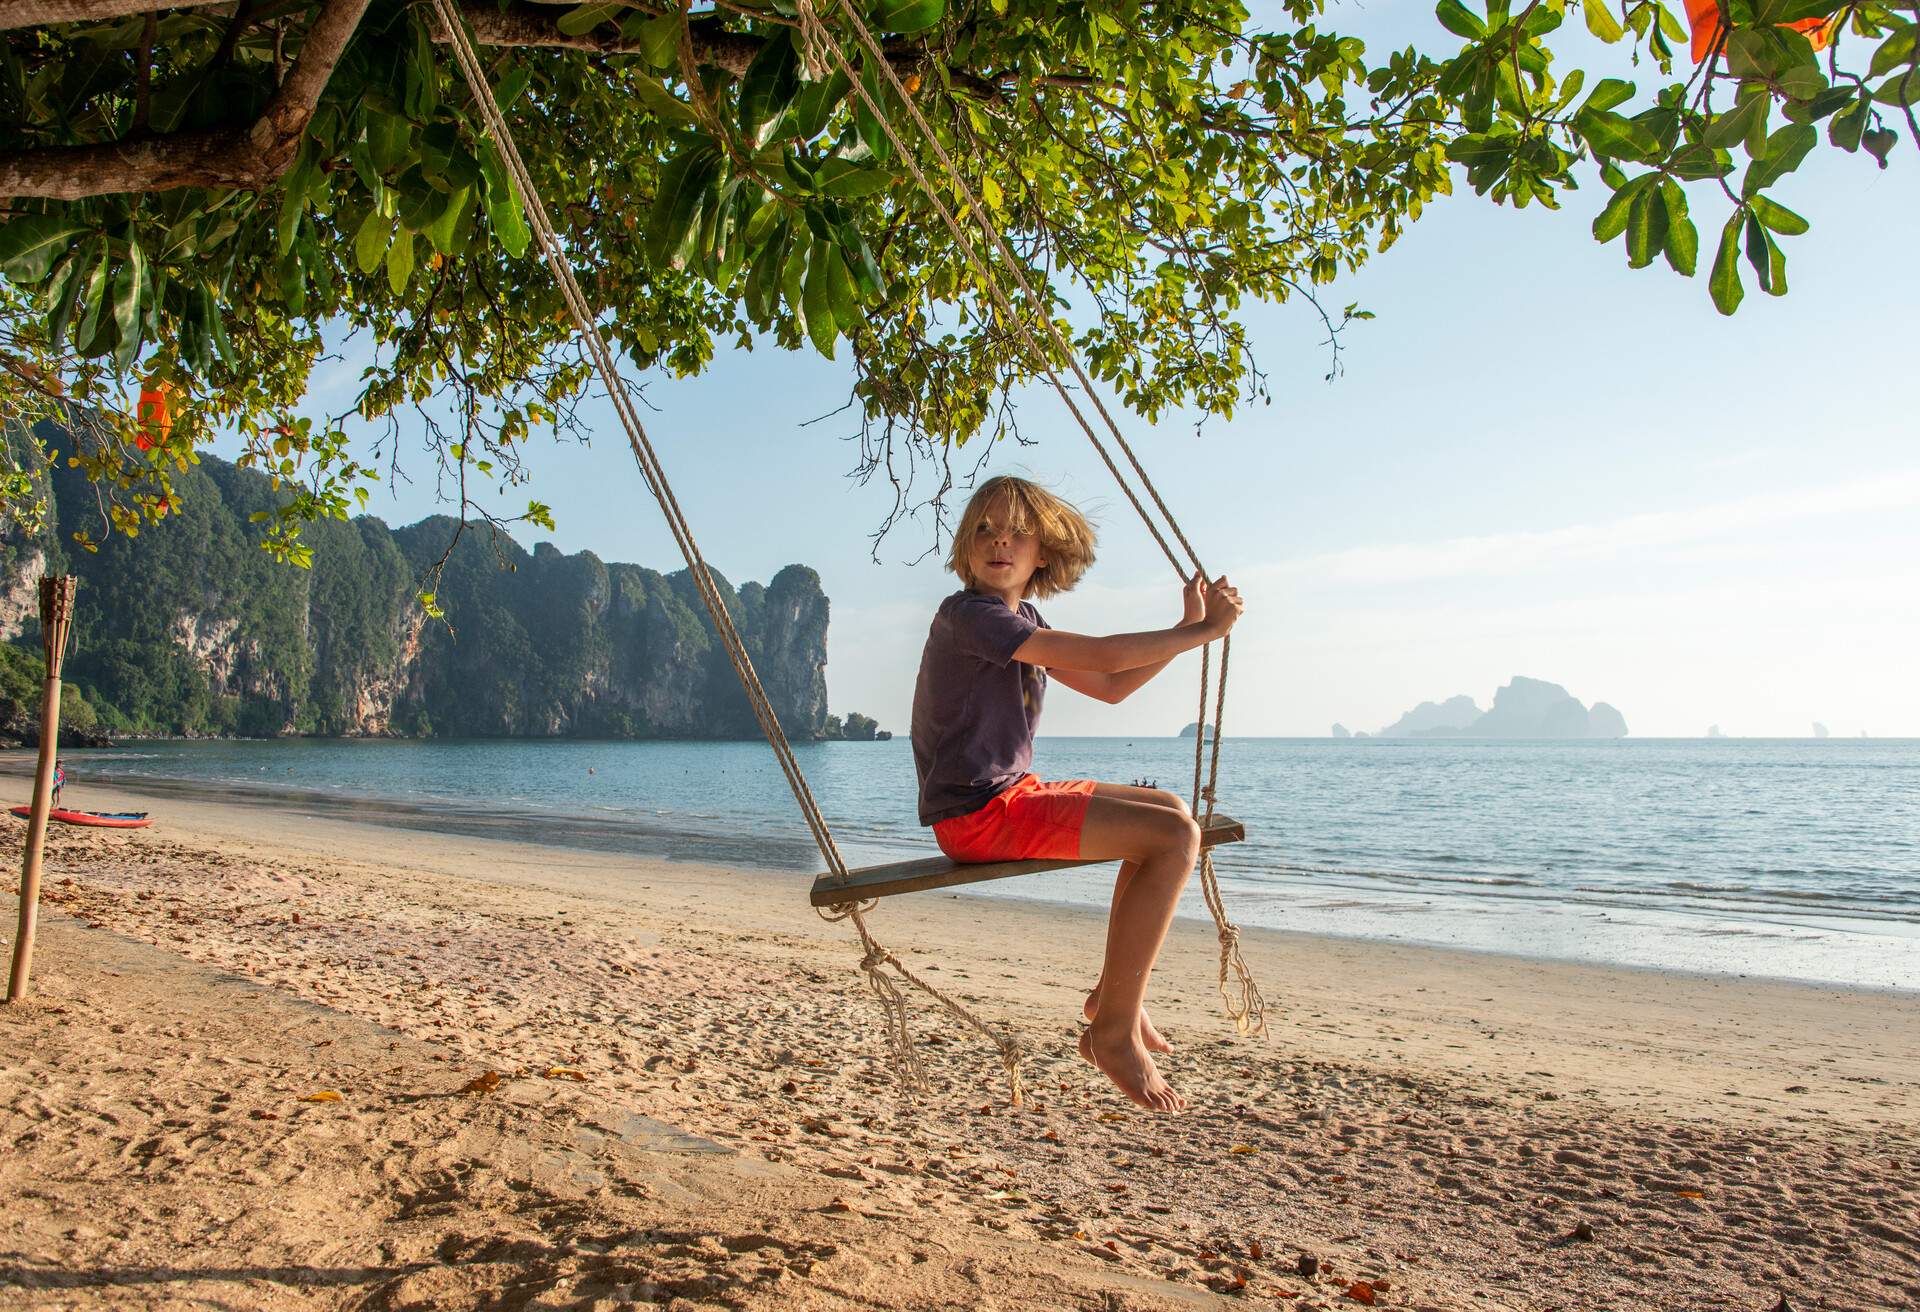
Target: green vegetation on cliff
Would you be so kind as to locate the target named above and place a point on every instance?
(190, 628)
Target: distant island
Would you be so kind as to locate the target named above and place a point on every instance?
(1524, 708)
(191, 630)
(1194, 728)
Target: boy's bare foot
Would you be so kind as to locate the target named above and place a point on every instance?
(1148, 1034)
(1123, 1059)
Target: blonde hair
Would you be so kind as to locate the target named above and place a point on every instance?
(1066, 538)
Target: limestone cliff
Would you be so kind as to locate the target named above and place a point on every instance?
(190, 628)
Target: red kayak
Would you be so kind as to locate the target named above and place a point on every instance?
(102, 819)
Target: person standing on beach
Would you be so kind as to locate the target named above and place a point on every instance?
(976, 704)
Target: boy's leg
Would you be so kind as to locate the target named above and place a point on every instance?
(1149, 1035)
(1163, 844)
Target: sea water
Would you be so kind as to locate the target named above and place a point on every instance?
(1796, 859)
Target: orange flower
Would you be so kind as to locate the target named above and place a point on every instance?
(1709, 24)
(154, 413)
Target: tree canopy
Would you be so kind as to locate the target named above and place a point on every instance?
(193, 197)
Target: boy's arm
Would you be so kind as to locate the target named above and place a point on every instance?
(1112, 688)
(1129, 654)
(1116, 688)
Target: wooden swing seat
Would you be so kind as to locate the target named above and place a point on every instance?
(939, 872)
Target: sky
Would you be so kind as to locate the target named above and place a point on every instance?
(1536, 462)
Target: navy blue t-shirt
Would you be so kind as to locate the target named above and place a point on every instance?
(975, 708)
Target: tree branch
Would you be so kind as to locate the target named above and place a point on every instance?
(45, 13)
(246, 158)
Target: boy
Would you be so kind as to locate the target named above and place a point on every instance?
(983, 675)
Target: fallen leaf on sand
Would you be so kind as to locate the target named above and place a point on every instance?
(563, 1073)
(259, 1115)
(1689, 1193)
(324, 1095)
(486, 1082)
(1254, 1250)
(1115, 1116)
(1361, 1292)
(1245, 1149)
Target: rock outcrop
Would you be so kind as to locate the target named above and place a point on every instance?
(1341, 731)
(1524, 708)
(1434, 718)
(191, 628)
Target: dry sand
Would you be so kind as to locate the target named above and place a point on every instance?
(1456, 1130)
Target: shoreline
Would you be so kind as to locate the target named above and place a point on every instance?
(1438, 1120)
(783, 858)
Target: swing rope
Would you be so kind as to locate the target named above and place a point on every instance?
(1244, 1004)
(876, 959)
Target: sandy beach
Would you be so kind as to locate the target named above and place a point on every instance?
(681, 1098)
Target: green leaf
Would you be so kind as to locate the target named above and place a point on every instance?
(62, 314)
(1600, 20)
(1460, 20)
(504, 212)
(1778, 217)
(1646, 229)
(1900, 90)
(1608, 93)
(1847, 126)
(1785, 149)
(770, 83)
(1756, 244)
(1780, 12)
(441, 232)
(763, 276)
(96, 297)
(370, 242)
(684, 181)
(421, 81)
(844, 295)
(31, 243)
(582, 19)
(1616, 137)
(1725, 282)
(390, 140)
(841, 177)
(1739, 123)
(872, 132)
(817, 297)
(1895, 51)
(508, 90)
(1683, 239)
(907, 16)
(816, 102)
(1880, 143)
(127, 290)
(1613, 219)
(860, 262)
(660, 102)
(659, 37)
(400, 263)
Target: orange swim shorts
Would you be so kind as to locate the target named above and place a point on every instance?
(1029, 820)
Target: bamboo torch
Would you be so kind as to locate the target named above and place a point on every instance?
(56, 622)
